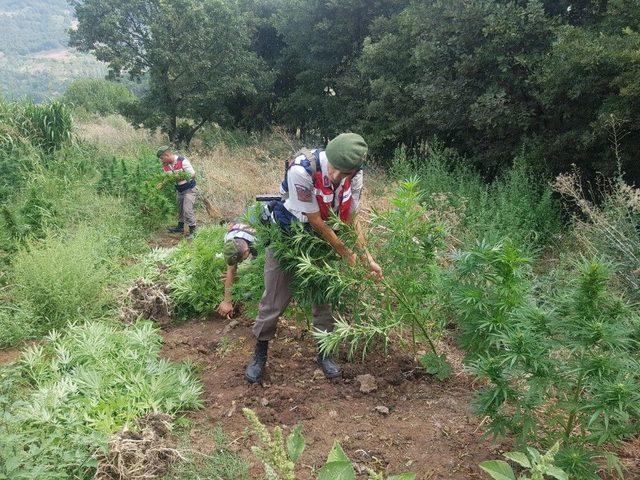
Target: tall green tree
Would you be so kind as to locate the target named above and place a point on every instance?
(589, 87)
(322, 91)
(195, 54)
(458, 70)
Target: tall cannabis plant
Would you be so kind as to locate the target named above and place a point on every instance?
(405, 241)
(563, 370)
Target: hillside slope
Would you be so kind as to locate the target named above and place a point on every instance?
(35, 59)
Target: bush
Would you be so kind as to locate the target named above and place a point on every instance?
(609, 228)
(99, 96)
(562, 369)
(64, 398)
(135, 180)
(62, 278)
(516, 205)
(195, 271)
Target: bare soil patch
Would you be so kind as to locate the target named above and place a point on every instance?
(428, 428)
(9, 355)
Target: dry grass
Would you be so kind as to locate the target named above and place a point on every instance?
(115, 134)
(231, 178)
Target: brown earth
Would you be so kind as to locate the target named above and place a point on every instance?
(428, 430)
(9, 355)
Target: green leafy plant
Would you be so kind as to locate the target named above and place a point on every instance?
(565, 369)
(403, 306)
(279, 457)
(67, 395)
(194, 272)
(538, 465)
(137, 180)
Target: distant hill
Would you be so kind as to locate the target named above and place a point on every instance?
(30, 26)
(35, 60)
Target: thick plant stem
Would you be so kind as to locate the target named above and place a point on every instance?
(402, 299)
(574, 411)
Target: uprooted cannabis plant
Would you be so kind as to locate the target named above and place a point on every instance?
(562, 369)
(400, 309)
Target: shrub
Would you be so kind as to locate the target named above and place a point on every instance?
(98, 96)
(64, 398)
(195, 270)
(135, 180)
(608, 228)
(566, 370)
(516, 205)
(62, 278)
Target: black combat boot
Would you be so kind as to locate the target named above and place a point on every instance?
(254, 370)
(330, 368)
(192, 231)
(177, 229)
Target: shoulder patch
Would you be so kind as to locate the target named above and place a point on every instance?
(303, 193)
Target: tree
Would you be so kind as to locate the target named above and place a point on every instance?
(590, 90)
(459, 70)
(322, 90)
(195, 54)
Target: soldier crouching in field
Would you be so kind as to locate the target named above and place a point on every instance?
(316, 183)
(186, 191)
(238, 246)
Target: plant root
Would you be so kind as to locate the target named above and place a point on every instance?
(140, 455)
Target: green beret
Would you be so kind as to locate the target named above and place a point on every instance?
(231, 253)
(162, 149)
(346, 152)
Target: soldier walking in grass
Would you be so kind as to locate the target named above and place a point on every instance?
(316, 183)
(186, 191)
(238, 246)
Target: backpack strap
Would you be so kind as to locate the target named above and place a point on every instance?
(311, 166)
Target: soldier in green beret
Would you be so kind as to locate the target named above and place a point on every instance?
(238, 246)
(186, 192)
(316, 183)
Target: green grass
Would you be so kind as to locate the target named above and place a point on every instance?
(517, 205)
(219, 464)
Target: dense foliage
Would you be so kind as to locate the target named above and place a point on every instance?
(64, 398)
(196, 56)
(487, 78)
(98, 96)
(563, 368)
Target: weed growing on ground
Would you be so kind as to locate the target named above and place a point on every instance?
(516, 205)
(608, 228)
(279, 457)
(563, 370)
(194, 272)
(64, 397)
(538, 465)
(219, 464)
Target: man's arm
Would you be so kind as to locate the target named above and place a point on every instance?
(226, 307)
(327, 233)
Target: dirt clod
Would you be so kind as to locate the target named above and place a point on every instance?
(367, 383)
(148, 300)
